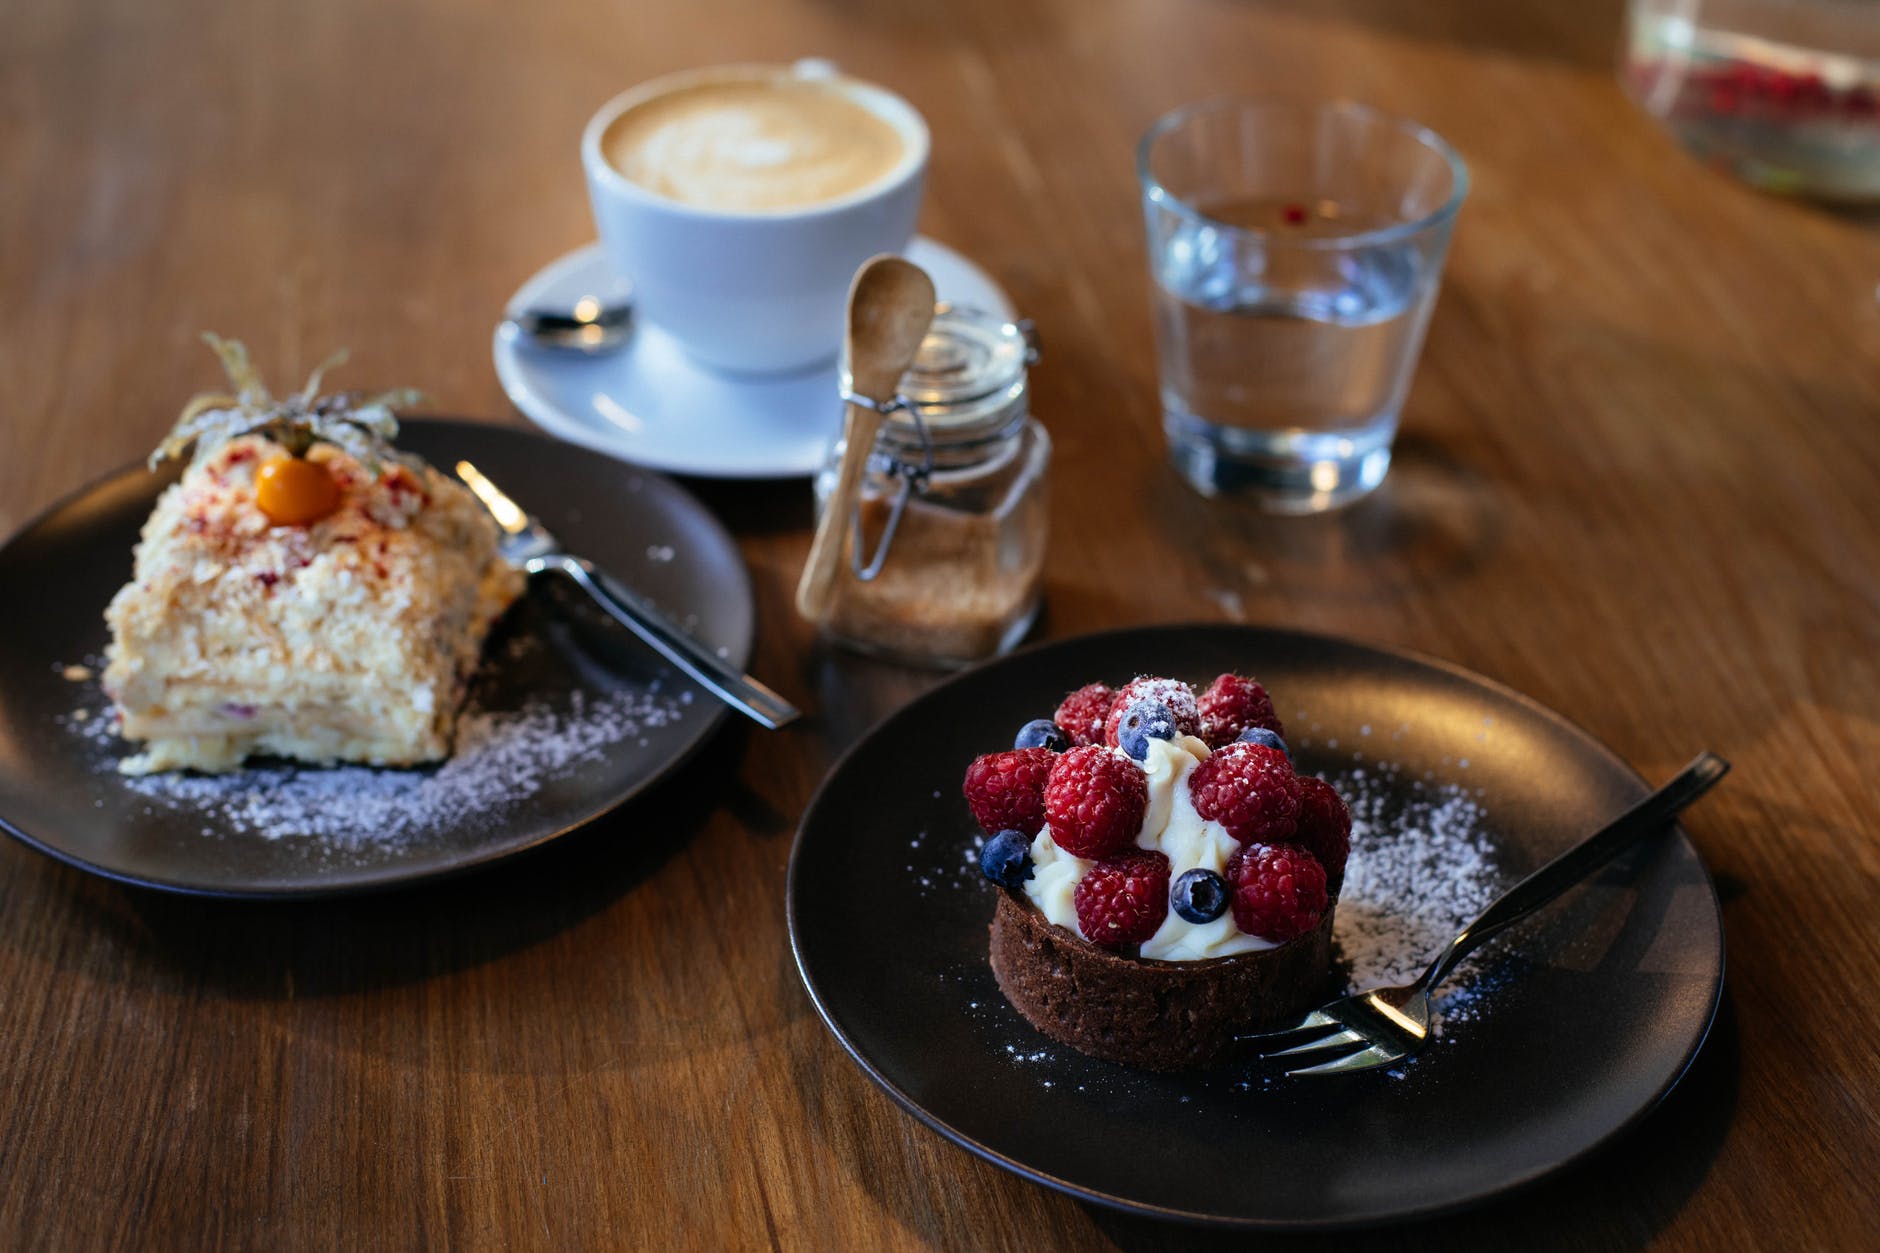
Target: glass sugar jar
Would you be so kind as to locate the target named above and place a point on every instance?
(945, 555)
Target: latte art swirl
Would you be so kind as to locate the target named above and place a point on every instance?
(754, 146)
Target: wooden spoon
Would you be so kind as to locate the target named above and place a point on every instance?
(890, 308)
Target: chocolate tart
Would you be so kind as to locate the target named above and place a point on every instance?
(1153, 1014)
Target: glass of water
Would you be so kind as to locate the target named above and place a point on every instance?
(1295, 248)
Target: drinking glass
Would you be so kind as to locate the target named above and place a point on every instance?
(1783, 93)
(1295, 249)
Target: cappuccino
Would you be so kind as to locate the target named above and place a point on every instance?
(739, 200)
(754, 145)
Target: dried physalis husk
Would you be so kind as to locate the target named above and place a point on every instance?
(362, 426)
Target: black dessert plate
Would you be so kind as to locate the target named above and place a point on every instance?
(1590, 1013)
(573, 717)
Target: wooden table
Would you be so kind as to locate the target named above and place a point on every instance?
(1638, 479)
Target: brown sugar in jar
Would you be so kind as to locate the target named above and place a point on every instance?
(946, 551)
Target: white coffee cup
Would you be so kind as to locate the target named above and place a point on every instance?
(753, 290)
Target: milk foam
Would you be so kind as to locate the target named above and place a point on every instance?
(754, 145)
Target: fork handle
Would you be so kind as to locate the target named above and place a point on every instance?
(634, 612)
(1579, 862)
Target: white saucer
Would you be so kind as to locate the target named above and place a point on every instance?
(651, 404)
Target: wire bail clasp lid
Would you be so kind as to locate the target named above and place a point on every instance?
(913, 478)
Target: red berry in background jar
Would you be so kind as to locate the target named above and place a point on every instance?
(1249, 789)
(1081, 714)
(1123, 898)
(1006, 790)
(1278, 891)
(1232, 704)
(1175, 695)
(1095, 800)
(1324, 828)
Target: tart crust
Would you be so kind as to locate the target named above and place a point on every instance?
(1152, 1014)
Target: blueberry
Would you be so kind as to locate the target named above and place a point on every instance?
(1265, 739)
(1199, 895)
(1143, 721)
(1006, 858)
(1042, 733)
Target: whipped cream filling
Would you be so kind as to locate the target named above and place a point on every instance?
(1054, 876)
(1171, 827)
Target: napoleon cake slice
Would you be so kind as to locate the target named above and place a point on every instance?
(305, 591)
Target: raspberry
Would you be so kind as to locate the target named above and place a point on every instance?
(1082, 713)
(1006, 790)
(1176, 695)
(1123, 898)
(1279, 891)
(1324, 827)
(1231, 705)
(1095, 800)
(1250, 790)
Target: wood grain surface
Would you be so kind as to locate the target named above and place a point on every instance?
(1638, 480)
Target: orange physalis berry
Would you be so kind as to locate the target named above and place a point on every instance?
(293, 491)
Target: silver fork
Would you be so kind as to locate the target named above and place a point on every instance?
(1385, 1025)
(529, 546)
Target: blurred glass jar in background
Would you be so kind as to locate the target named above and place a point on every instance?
(1783, 93)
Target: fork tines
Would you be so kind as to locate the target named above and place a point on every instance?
(1319, 1033)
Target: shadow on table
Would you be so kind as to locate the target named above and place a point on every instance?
(298, 948)
(1620, 1197)
(1432, 523)
(854, 692)
(759, 507)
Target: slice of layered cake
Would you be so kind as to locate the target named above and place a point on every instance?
(304, 591)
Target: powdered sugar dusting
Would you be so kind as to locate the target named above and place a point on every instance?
(1421, 866)
(502, 759)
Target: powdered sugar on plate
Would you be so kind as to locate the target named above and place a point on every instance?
(1421, 865)
(502, 759)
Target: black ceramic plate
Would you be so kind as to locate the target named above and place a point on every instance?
(1600, 1005)
(60, 793)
